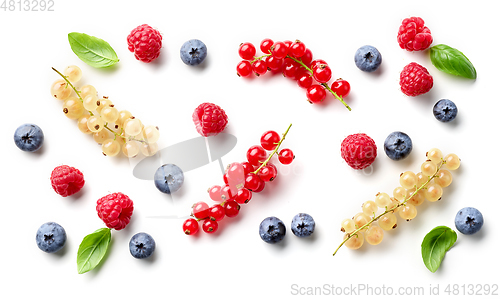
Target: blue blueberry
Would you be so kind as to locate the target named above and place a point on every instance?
(368, 58)
(445, 110)
(142, 245)
(193, 52)
(398, 145)
(303, 225)
(272, 230)
(169, 178)
(469, 221)
(28, 137)
(50, 237)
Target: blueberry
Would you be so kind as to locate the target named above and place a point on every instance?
(28, 137)
(50, 237)
(272, 230)
(398, 145)
(193, 52)
(169, 178)
(445, 110)
(368, 58)
(303, 225)
(469, 221)
(142, 245)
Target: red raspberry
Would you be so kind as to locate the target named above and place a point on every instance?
(209, 119)
(415, 80)
(413, 35)
(66, 180)
(145, 42)
(358, 150)
(115, 210)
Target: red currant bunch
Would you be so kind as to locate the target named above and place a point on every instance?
(295, 61)
(241, 180)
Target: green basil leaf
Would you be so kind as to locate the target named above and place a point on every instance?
(92, 249)
(92, 50)
(435, 244)
(452, 61)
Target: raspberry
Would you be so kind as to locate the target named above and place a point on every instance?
(415, 80)
(358, 150)
(145, 42)
(115, 210)
(66, 180)
(413, 35)
(209, 119)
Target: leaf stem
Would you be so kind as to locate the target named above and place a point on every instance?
(391, 209)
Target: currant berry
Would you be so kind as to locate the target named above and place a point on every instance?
(269, 140)
(256, 155)
(200, 210)
(265, 45)
(322, 73)
(247, 168)
(355, 242)
(267, 173)
(236, 174)
(247, 51)
(225, 178)
(374, 235)
(290, 68)
(243, 196)
(231, 208)
(317, 62)
(273, 63)
(253, 182)
(259, 67)
(244, 69)
(347, 226)
(279, 50)
(297, 49)
(190, 226)
(215, 193)
(288, 44)
(286, 156)
(307, 58)
(216, 213)
(315, 94)
(210, 226)
(226, 193)
(304, 79)
(341, 87)
(261, 186)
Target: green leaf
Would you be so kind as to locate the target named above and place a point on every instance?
(92, 249)
(435, 244)
(452, 61)
(92, 50)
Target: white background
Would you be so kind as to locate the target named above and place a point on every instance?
(234, 262)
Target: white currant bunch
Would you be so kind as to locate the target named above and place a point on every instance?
(115, 130)
(414, 189)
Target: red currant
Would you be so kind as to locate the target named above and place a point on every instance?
(286, 156)
(226, 193)
(290, 68)
(256, 155)
(253, 182)
(243, 196)
(247, 51)
(322, 73)
(265, 45)
(297, 49)
(273, 63)
(247, 167)
(316, 62)
(341, 87)
(244, 68)
(261, 186)
(190, 226)
(236, 173)
(210, 226)
(225, 178)
(269, 140)
(231, 208)
(279, 50)
(214, 193)
(316, 93)
(200, 210)
(305, 79)
(307, 57)
(216, 213)
(259, 67)
(288, 44)
(268, 173)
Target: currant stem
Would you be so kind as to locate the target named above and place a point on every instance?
(72, 86)
(274, 151)
(354, 233)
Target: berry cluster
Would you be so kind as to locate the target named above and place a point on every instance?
(115, 130)
(241, 180)
(412, 192)
(294, 61)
